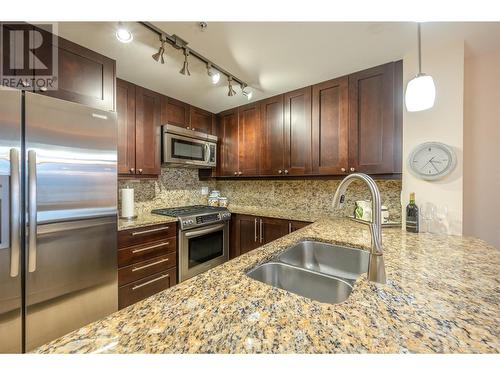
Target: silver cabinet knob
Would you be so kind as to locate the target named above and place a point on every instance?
(140, 170)
(235, 173)
(352, 169)
(280, 171)
(240, 173)
(132, 170)
(286, 171)
(342, 169)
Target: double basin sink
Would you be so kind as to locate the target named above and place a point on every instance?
(319, 271)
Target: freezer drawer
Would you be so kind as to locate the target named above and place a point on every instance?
(74, 281)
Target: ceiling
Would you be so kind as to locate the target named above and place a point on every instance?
(272, 57)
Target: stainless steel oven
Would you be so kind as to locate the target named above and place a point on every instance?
(188, 148)
(202, 248)
(203, 240)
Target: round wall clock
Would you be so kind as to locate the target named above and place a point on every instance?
(432, 161)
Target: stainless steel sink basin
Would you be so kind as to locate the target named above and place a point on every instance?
(339, 261)
(310, 284)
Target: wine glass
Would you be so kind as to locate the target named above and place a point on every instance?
(428, 214)
(442, 219)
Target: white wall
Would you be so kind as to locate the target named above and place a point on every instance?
(482, 147)
(442, 123)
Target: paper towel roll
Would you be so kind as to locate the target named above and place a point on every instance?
(127, 202)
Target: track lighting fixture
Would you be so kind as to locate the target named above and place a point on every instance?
(185, 66)
(245, 90)
(159, 56)
(213, 74)
(123, 34)
(231, 91)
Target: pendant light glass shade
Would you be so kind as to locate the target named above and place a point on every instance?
(420, 93)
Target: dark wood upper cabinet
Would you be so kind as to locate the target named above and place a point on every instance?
(125, 108)
(249, 139)
(272, 136)
(228, 143)
(175, 112)
(372, 128)
(330, 126)
(201, 120)
(147, 131)
(297, 114)
(84, 76)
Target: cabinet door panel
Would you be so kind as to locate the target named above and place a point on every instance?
(84, 76)
(272, 138)
(247, 234)
(371, 124)
(298, 158)
(175, 112)
(272, 229)
(147, 127)
(249, 139)
(125, 108)
(201, 120)
(228, 140)
(330, 126)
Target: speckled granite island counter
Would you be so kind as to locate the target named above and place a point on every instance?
(442, 295)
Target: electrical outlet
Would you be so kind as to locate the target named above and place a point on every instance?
(204, 190)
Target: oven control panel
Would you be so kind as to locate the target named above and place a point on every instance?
(200, 220)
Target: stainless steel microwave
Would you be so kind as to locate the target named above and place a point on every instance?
(183, 147)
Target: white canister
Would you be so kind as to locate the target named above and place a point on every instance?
(128, 209)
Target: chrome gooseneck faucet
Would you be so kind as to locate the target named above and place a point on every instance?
(376, 267)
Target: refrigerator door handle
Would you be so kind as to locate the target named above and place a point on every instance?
(15, 212)
(32, 210)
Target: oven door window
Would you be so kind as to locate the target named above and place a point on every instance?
(204, 248)
(187, 150)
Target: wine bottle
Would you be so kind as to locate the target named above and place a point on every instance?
(412, 215)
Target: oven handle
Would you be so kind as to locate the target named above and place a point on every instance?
(201, 232)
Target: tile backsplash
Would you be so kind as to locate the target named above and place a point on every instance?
(181, 186)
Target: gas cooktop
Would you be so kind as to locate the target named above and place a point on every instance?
(195, 216)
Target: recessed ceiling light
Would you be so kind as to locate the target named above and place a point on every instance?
(123, 35)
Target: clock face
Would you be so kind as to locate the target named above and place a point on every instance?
(432, 160)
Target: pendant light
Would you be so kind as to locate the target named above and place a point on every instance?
(420, 91)
(185, 67)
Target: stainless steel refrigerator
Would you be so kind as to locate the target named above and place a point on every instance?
(58, 177)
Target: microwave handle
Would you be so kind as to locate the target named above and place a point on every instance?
(207, 153)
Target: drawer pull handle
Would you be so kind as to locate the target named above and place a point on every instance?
(149, 265)
(150, 247)
(149, 231)
(150, 281)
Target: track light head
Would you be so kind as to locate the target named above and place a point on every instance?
(213, 74)
(160, 55)
(231, 91)
(245, 90)
(185, 67)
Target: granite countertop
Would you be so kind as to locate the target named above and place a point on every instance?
(144, 219)
(442, 295)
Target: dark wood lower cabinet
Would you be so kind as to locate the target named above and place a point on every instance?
(272, 229)
(146, 287)
(249, 232)
(147, 259)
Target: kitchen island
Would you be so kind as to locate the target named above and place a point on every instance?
(442, 295)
